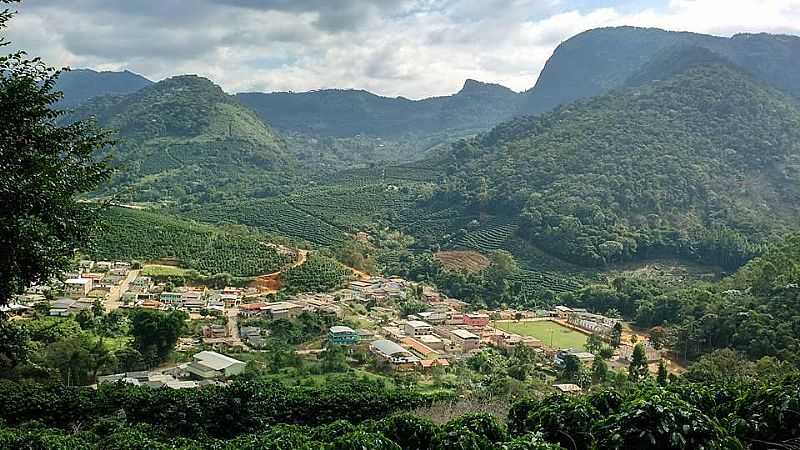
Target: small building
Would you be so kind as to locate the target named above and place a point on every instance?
(563, 312)
(417, 328)
(393, 333)
(561, 356)
(77, 287)
(393, 355)
(418, 348)
(465, 340)
(212, 365)
(428, 364)
(171, 298)
(215, 331)
(341, 335)
(431, 341)
(433, 317)
(476, 320)
(283, 310)
(103, 266)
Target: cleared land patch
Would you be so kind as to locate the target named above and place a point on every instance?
(550, 333)
(463, 260)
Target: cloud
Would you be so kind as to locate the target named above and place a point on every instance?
(413, 48)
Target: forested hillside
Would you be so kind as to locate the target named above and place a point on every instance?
(184, 139)
(129, 234)
(596, 61)
(705, 164)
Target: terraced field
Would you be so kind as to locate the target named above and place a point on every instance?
(492, 235)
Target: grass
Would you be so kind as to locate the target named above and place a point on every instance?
(550, 333)
(163, 271)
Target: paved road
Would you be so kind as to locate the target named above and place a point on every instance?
(112, 300)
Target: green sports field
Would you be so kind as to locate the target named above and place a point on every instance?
(550, 333)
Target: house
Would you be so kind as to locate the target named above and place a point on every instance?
(417, 328)
(171, 298)
(418, 348)
(433, 317)
(215, 331)
(476, 320)
(209, 365)
(85, 265)
(77, 287)
(431, 341)
(427, 364)
(252, 309)
(365, 335)
(393, 355)
(465, 340)
(393, 333)
(583, 357)
(341, 335)
(563, 312)
(141, 284)
(283, 310)
(103, 266)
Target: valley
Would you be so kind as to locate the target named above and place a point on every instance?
(609, 259)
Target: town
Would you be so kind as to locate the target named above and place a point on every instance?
(365, 316)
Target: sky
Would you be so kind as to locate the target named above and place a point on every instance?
(410, 48)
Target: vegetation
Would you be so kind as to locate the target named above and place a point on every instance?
(753, 311)
(592, 183)
(318, 274)
(360, 415)
(130, 234)
(183, 139)
(45, 167)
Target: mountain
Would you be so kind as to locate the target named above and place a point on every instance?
(596, 61)
(79, 85)
(184, 138)
(703, 164)
(335, 112)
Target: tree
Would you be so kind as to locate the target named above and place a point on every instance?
(599, 369)
(155, 333)
(637, 370)
(594, 343)
(15, 344)
(45, 166)
(661, 378)
(572, 368)
(616, 335)
(658, 337)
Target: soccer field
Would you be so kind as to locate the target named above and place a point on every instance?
(550, 333)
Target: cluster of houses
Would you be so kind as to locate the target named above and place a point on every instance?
(206, 368)
(92, 282)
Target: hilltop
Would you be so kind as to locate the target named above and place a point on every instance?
(184, 138)
(597, 61)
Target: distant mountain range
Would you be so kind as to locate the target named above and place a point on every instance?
(599, 60)
(184, 138)
(80, 85)
(349, 112)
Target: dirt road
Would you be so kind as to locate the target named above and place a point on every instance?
(112, 301)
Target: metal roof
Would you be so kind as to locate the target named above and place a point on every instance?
(388, 347)
(418, 324)
(341, 329)
(215, 361)
(464, 334)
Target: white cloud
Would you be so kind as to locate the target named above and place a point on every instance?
(414, 48)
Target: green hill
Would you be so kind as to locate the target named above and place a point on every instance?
(129, 234)
(184, 139)
(703, 164)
